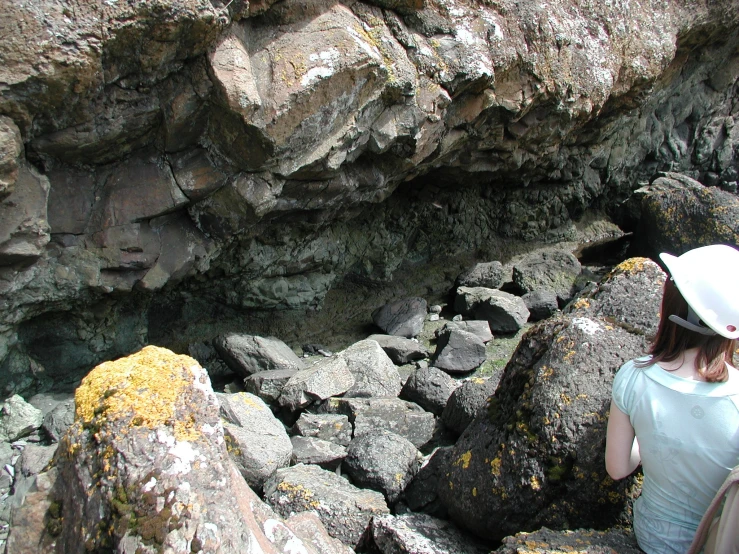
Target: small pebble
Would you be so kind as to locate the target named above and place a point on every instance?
(457, 317)
(433, 317)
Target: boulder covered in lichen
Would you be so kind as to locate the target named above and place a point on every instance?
(535, 457)
(144, 469)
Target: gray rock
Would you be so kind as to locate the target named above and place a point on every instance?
(458, 351)
(541, 304)
(308, 527)
(622, 541)
(247, 354)
(403, 418)
(255, 439)
(382, 461)
(552, 270)
(421, 495)
(504, 312)
(309, 450)
(374, 372)
(18, 419)
(400, 349)
(430, 388)
(422, 534)
(207, 356)
(329, 427)
(327, 377)
(481, 328)
(57, 421)
(268, 385)
(467, 401)
(344, 510)
(489, 275)
(34, 459)
(402, 318)
(541, 440)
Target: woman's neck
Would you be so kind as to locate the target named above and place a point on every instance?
(684, 365)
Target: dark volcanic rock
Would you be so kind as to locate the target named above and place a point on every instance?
(541, 304)
(400, 349)
(403, 317)
(466, 402)
(330, 427)
(344, 510)
(504, 312)
(550, 270)
(422, 534)
(309, 450)
(540, 445)
(430, 388)
(480, 328)
(327, 377)
(268, 385)
(247, 354)
(374, 372)
(458, 351)
(489, 275)
(421, 494)
(588, 541)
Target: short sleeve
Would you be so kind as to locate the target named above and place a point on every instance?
(624, 386)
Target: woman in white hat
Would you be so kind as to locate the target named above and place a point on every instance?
(676, 411)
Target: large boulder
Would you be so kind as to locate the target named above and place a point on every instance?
(549, 270)
(402, 317)
(422, 534)
(247, 354)
(344, 510)
(677, 213)
(368, 415)
(374, 372)
(146, 456)
(421, 494)
(537, 452)
(458, 351)
(466, 402)
(326, 378)
(504, 312)
(488, 274)
(587, 541)
(430, 388)
(255, 439)
(382, 461)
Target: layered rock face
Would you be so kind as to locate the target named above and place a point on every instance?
(250, 155)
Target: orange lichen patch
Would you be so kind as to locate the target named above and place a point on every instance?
(632, 265)
(144, 386)
(464, 460)
(581, 303)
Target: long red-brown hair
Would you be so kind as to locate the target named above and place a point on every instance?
(714, 351)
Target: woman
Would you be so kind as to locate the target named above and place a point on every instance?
(676, 411)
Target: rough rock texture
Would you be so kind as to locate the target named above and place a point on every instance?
(373, 370)
(309, 450)
(401, 417)
(554, 271)
(422, 534)
(466, 401)
(255, 439)
(344, 510)
(400, 349)
(476, 327)
(490, 275)
(247, 354)
(676, 214)
(18, 419)
(382, 461)
(458, 351)
(536, 454)
(541, 304)
(504, 312)
(191, 160)
(330, 427)
(421, 494)
(587, 541)
(430, 388)
(326, 378)
(268, 385)
(403, 318)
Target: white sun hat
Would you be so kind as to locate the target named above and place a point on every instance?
(708, 279)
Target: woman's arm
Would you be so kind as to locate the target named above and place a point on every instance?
(622, 448)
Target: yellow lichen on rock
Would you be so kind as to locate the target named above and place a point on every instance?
(145, 386)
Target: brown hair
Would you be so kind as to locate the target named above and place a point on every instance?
(714, 351)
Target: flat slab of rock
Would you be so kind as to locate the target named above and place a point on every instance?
(430, 388)
(327, 377)
(309, 450)
(422, 534)
(458, 351)
(382, 461)
(344, 510)
(478, 327)
(247, 354)
(255, 439)
(406, 419)
(504, 312)
(403, 317)
(268, 385)
(329, 427)
(400, 349)
(374, 372)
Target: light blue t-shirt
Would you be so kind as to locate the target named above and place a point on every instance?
(688, 433)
